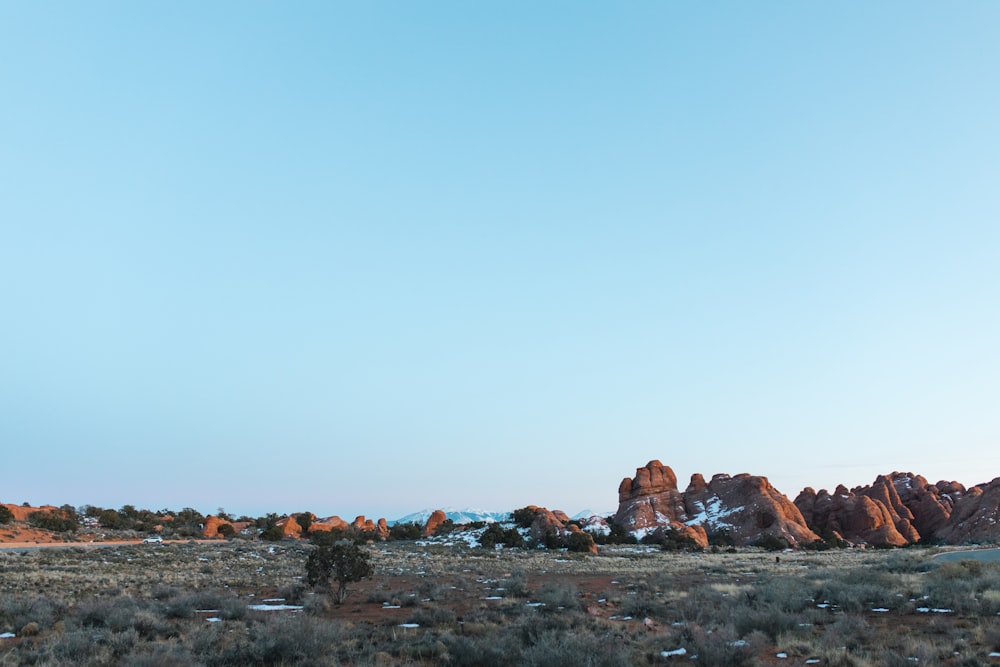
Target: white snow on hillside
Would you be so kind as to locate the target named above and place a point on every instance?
(459, 516)
(712, 514)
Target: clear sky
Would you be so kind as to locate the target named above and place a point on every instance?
(374, 257)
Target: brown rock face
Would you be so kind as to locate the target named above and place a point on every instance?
(363, 524)
(436, 518)
(552, 525)
(650, 500)
(331, 523)
(290, 527)
(382, 529)
(976, 516)
(896, 509)
(212, 525)
(745, 506)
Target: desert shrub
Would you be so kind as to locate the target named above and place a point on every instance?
(273, 534)
(770, 542)
(430, 616)
(292, 592)
(721, 538)
(524, 517)
(81, 646)
(95, 613)
(43, 610)
(581, 542)
(671, 540)
(316, 605)
(405, 531)
(966, 586)
(492, 536)
(573, 649)
(642, 604)
(557, 594)
(6, 516)
(767, 619)
(185, 604)
(226, 530)
(59, 521)
(445, 527)
(288, 639)
(790, 594)
(162, 655)
(721, 646)
(619, 534)
(516, 585)
(164, 592)
(341, 563)
(488, 651)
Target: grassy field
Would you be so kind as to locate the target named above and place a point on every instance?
(245, 603)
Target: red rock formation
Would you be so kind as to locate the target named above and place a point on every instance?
(976, 516)
(382, 529)
(554, 525)
(289, 527)
(854, 516)
(363, 524)
(746, 506)
(212, 525)
(436, 518)
(650, 500)
(898, 509)
(331, 523)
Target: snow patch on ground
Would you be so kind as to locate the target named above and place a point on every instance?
(275, 607)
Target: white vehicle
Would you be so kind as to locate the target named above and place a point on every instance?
(155, 539)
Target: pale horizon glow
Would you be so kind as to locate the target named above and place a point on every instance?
(376, 258)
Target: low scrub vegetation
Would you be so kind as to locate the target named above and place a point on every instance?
(418, 603)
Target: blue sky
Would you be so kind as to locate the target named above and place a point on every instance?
(374, 257)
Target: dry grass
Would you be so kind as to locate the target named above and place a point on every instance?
(148, 605)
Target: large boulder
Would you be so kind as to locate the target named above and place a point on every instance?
(330, 523)
(212, 526)
(436, 518)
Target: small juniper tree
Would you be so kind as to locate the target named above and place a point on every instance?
(6, 516)
(341, 562)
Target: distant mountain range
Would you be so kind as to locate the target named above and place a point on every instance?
(471, 515)
(459, 516)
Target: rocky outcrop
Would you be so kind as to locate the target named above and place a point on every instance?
(553, 527)
(213, 524)
(289, 527)
(975, 517)
(850, 516)
(650, 500)
(331, 523)
(436, 518)
(744, 507)
(895, 510)
(21, 513)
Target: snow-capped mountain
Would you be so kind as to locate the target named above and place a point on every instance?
(586, 514)
(459, 516)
